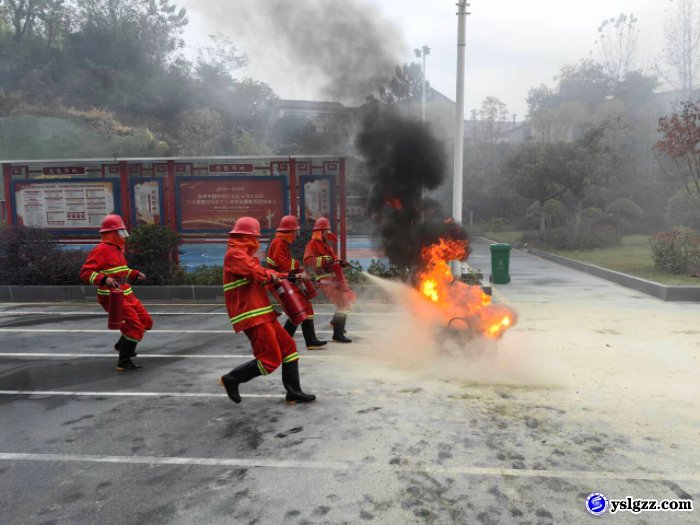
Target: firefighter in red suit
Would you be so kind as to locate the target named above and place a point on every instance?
(250, 311)
(106, 267)
(279, 258)
(319, 257)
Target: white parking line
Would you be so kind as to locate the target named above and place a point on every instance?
(346, 465)
(98, 331)
(122, 394)
(316, 355)
(102, 312)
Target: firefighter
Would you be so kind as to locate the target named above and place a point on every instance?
(250, 311)
(320, 258)
(106, 267)
(279, 258)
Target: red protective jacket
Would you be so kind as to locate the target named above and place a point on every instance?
(247, 302)
(319, 257)
(107, 260)
(279, 256)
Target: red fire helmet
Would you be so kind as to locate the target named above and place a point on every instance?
(288, 223)
(112, 223)
(246, 226)
(322, 224)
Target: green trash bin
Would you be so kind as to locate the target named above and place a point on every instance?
(500, 263)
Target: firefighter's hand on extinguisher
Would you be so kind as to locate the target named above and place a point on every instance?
(344, 264)
(274, 277)
(111, 283)
(302, 275)
(141, 276)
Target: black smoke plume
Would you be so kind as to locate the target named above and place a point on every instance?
(404, 159)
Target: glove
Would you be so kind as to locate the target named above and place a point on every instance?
(344, 264)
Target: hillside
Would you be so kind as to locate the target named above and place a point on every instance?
(36, 137)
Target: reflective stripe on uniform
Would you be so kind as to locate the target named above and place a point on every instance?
(252, 313)
(127, 291)
(271, 262)
(291, 357)
(319, 262)
(235, 284)
(262, 368)
(116, 269)
(324, 276)
(93, 276)
(294, 264)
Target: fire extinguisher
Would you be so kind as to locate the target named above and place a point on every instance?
(290, 301)
(340, 277)
(307, 288)
(116, 309)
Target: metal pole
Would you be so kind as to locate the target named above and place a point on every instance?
(423, 114)
(457, 182)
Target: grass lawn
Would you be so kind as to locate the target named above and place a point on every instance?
(511, 237)
(632, 257)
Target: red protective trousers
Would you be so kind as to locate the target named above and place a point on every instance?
(136, 319)
(272, 345)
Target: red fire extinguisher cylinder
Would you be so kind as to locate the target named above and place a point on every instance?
(115, 311)
(307, 288)
(290, 301)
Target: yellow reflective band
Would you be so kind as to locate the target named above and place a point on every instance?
(235, 284)
(252, 313)
(130, 339)
(116, 269)
(93, 276)
(102, 292)
(294, 264)
(311, 317)
(262, 369)
(319, 262)
(128, 291)
(291, 357)
(270, 261)
(324, 276)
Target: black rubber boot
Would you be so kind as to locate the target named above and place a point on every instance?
(312, 343)
(127, 350)
(338, 323)
(118, 346)
(290, 380)
(240, 374)
(290, 327)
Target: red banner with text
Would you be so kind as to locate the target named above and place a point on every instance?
(213, 204)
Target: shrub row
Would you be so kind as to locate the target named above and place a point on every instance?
(676, 252)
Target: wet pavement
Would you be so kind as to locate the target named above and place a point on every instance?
(595, 390)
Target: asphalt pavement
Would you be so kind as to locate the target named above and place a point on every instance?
(594, 390)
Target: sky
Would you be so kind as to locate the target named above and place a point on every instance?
(512, 45)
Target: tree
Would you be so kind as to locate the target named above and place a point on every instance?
(490, 120)
(617, 46)
(680, 142)
(22, 15)
(537, 171)
(406, 83)
(681, 54)
(584, 168)
(201, 132)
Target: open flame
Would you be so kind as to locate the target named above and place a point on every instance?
(457, 300)
(395, 203)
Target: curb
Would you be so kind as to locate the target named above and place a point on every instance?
(184, 294)
(665, 293)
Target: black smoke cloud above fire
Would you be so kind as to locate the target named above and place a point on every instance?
(403, 159)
